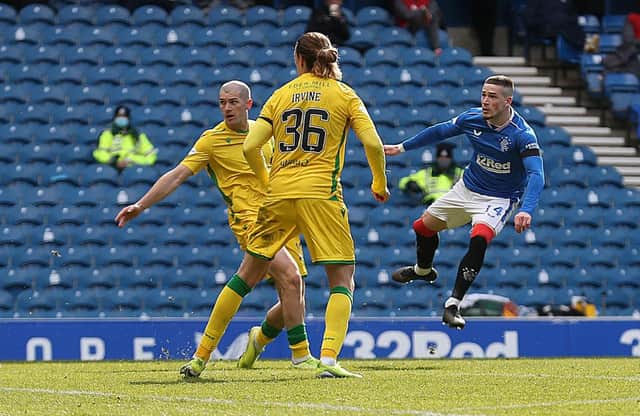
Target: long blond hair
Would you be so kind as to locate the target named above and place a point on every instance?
(319, 56)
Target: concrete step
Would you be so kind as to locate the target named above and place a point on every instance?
(514, 70)
(588, 131)
(631, 181)
(539, 90)
(573, 120)
(619, 161)
(629, 170)
(531, 81)
(613, 151)
(542, 99)
(597, 141)
(498, 60)
(559, 110)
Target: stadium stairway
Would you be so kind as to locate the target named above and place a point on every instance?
(562, 110)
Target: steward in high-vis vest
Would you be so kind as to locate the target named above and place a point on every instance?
(122, 145)
(436, 179)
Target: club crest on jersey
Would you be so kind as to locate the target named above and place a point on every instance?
(504, 144)
(491, 165)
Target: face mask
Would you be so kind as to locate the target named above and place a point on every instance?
(121, 122)
(443, 163)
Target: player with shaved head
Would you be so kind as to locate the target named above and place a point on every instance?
(219, 150)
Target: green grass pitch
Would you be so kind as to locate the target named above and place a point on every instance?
(409, 387)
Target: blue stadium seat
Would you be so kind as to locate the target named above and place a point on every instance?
(282, 37)
(620, 82)
(613, 23)
(466, 97)
(112, 15)
(31, 302)
(224, 14)
(454, 57)
(7, 302)
(474, 76)
(184, 14)
(230, 56)
(16, 280)
(417, 56)
(373, 16)
(609, 42)
(261, 14)
(158, 56)
(295, 14)
(8, 14)
(621, 277)
(394, 37)
(533, 116)
(36, 13)
(150, 15)
(118, 55)
(70, 14)
(362, 39)
(441, 76)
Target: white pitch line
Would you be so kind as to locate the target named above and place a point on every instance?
(550, 404)
(573, 376)
(290, 405)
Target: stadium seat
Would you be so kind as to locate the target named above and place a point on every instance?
(362, 39)
(455, 57)
(609, 42)
(231, 56)
(396, 37)
(16, 280)
(187, 15)
(157, 57)
(282, 37)
(224, 15)
(30, 302)
(443, 77)
(261, 14)
(112, 15)
(373, 16)
(475, 76)
(613, 23)
(8, 14)
(533, 116)
(150, 15)
(295, 14)
(7, 302)
(36, 13)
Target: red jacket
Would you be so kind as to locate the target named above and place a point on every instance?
(412, 5)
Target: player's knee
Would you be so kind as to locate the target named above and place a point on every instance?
(483, 231)
(421, 229)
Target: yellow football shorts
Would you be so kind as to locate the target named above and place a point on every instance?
(241, 225)
(324, 224)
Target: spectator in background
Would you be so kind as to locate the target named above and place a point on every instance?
(123, 145)
(329, 20)
(420, 14)
(434, 180)
(484, 15)
(625, 58)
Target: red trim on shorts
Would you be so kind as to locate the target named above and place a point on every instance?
(484, 231)
(421, 229)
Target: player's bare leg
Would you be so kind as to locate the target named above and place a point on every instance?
(427, 240)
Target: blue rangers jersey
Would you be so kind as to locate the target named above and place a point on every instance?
(500, 164)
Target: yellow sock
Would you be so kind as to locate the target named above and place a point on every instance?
(336, 322)
(225, 308)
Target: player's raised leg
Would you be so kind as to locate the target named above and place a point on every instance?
(470, 265)
(427, 240)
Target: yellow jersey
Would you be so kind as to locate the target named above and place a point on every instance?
(220, 150)
(310, 118)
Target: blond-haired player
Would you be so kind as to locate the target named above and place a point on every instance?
(219, 150)
(309, 118)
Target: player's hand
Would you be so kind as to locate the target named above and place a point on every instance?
(522, 221)
(128, 213)
(381, 197)
(392, 149)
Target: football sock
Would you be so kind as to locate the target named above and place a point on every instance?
(267, 334)
(336, 322)
(426, 244)
(298, 343)
(452, 301)
(224, 309)
(469, 266)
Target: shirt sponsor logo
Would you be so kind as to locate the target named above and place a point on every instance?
(491, 165)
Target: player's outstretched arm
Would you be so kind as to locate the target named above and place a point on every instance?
(430, 135)
(163, 187)
(259, 134)
(377, 163)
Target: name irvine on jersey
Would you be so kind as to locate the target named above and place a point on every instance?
(296, 97)
(493, 166)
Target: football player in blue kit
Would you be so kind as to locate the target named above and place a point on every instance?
(505, 175)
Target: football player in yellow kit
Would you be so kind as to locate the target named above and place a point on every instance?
(309, 118)
(219, 150)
